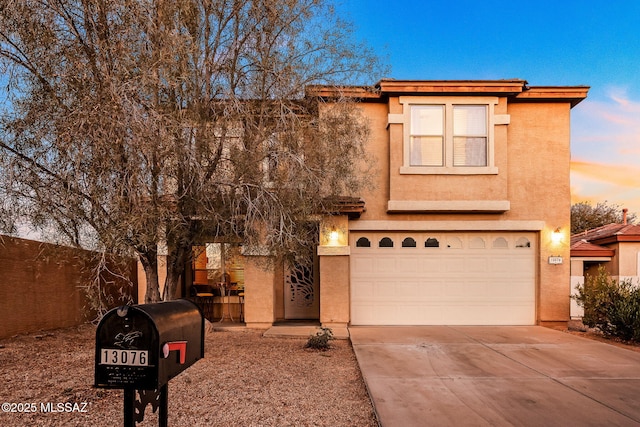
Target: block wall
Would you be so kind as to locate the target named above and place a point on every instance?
(42, 286)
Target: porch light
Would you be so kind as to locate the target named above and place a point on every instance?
(334, 235)
(556, 236)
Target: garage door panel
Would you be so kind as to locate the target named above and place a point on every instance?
(364, 290)
(363, 264)
(476, 264)
(431, 264)
(365, 313)
(454, 264)
(516, 264)
(432, 290)
(408, 265)
(384, 290)
(472, 290)
(457, 290)
(384, 264)
(512, 291)
(481, 279)
(405, 290)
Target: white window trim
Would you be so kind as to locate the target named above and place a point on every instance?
(448, 102)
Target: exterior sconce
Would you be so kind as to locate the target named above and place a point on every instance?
(334, 236)
(556, 236)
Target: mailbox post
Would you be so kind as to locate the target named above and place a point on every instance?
(141, 347)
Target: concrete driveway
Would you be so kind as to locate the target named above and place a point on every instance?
(495, 376)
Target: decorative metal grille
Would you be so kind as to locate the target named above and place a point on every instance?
(299, 281)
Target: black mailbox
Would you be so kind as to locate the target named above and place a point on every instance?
(143, 346)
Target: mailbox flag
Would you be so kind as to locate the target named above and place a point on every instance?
(180, 346)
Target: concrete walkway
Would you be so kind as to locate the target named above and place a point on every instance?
(496, 376)
(286, 330)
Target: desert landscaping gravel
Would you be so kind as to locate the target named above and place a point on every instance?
(245, 379)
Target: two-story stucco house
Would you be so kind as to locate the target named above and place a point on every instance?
(469, 216)
(467, 220)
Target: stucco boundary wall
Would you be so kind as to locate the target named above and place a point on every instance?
(42, 286)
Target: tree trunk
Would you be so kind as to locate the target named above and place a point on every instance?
(149, 263)
(176, 259)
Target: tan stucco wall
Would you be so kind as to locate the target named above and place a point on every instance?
(260, 291)
(334, 290)
(532, 154)
(624, 263)
(279, 289)
(539, 158)
(378, 148)
(448, 187)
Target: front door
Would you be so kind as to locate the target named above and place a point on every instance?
(302, 292)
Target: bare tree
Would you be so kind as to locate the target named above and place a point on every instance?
(137, 123)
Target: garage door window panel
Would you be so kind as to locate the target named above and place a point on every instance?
(408, 243)
(454, 243)
(385, 242)
(363, 242)
(476, 243)
(500, 243)
(431, 242)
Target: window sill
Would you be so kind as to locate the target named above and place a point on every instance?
(428, 170)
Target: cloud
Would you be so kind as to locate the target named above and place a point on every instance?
(605, 150)
(620, 97)
(607, 129)
(595, 182)
(628, 176)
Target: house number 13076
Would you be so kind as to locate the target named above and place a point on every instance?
(111, 356)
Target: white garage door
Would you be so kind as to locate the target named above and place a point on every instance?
(442, 278)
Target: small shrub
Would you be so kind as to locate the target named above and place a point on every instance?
(320, 341)
(611, 306)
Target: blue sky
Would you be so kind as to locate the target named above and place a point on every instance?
(546, 42)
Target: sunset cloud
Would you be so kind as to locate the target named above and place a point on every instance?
(627, 176)
(608, 129)
(598, 182)
(605, 150)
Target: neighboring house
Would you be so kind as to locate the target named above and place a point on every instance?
(467, 221)
(616, 247)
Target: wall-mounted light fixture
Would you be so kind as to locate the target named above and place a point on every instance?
(334, 233)
(334, 236)
(556, 236)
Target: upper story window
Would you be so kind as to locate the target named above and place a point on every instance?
(448, 135)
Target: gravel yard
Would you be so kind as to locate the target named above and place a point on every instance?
(245, 379)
